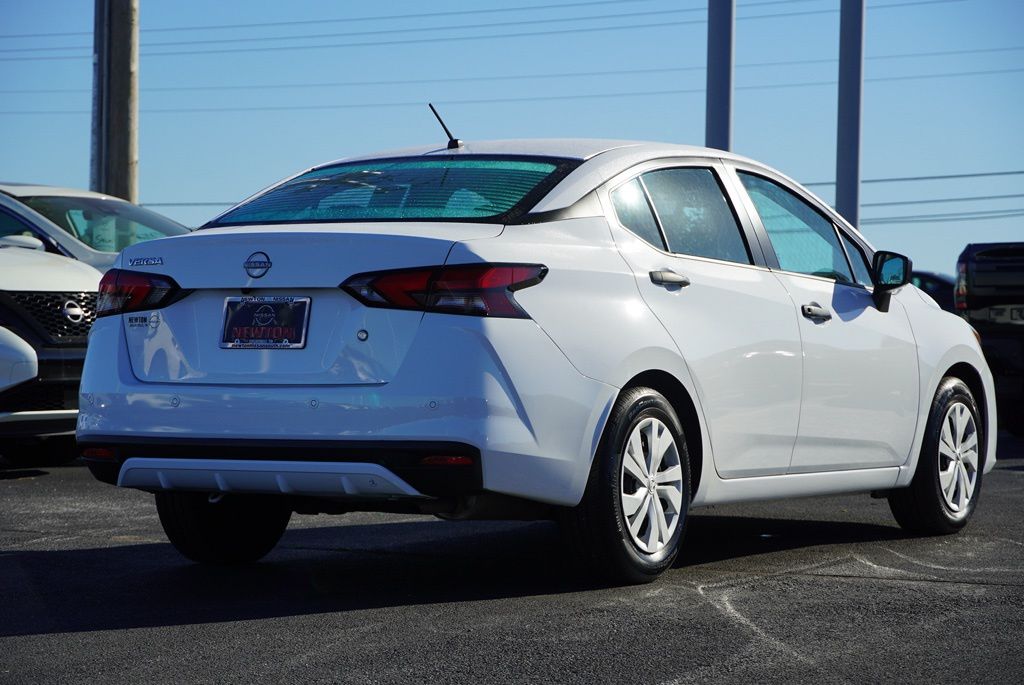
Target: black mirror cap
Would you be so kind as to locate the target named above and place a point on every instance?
(889, 271)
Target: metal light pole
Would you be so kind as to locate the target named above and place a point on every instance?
(115, 105)
(718, 118)
(851, 85)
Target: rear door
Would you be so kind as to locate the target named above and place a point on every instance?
(730, 317)
(860, 372)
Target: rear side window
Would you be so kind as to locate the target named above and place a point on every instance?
(465, 188)
(634, 212)
(804, 241)
(694, 214)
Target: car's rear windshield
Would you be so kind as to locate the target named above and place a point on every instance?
(463, 188)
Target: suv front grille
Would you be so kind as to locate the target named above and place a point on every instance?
(52, 317)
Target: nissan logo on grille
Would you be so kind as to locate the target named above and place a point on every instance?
(73, 312)
(257, 265)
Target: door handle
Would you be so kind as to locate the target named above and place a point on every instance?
(815, 312)
(669, 277)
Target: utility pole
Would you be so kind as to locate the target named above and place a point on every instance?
(718, 117)
(115, 104)
(851, 86)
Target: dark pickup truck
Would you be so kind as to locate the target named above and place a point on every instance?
(990, 296)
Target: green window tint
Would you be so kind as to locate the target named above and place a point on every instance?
(102, 224)
(804, 241)
(11, 226)
(635, 213)
(467, 188)
(857, 259)
(695, 215)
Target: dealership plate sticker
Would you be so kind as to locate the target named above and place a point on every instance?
(265, 323)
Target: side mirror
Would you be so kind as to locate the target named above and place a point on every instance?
(29, 242)
(890, 271)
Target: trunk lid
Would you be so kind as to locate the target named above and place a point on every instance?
(346, 343)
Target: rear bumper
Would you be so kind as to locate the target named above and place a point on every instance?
(307, 467)
(498, 389)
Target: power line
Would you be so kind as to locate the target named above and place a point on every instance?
(375, 32)
(942, 177)
(576, 74)
(944, 218)
(941, 200)
(521, 34)
(536, 98)
(421, 15)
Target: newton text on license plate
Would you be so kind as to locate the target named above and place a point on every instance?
(265, 323)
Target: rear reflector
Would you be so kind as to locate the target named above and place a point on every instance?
(101, 453)
(124, 291)
(471, 289)
(439, 460)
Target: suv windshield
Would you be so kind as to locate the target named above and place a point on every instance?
(464, 188)
(106, 225)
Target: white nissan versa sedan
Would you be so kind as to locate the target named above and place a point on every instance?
(606, 333)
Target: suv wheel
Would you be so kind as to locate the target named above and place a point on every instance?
(630, 523)
(222, 529)
(947, 482)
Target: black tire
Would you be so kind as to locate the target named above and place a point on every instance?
(230, 529)
(598, 527)
(921, 508)
(33, 453)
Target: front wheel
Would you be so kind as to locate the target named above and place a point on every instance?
(947, 483)
(630, 523)
(222, 529)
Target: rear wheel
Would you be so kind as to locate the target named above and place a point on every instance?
(947, 482)
(222, 529)
(631, 520)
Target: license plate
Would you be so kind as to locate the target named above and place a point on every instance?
(1007, 314)
(265, 323)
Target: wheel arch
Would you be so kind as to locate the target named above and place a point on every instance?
(972, 379)
(686, 409)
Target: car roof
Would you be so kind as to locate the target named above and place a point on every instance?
(572, 148)
(34, 189)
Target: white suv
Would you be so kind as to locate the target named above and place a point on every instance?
(47, 304)
(608, 333)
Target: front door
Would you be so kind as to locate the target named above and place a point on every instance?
(860, 373)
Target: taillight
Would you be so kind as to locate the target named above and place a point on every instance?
(132, 291)
(960, 293)
(472, 289)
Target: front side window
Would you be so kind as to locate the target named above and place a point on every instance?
(104, 224)
(694, 215)
(804, 241)
(464, 188)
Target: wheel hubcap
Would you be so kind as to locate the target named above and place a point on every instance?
(958, 457)
(651, 485)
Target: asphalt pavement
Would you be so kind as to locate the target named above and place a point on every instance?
(822, 589)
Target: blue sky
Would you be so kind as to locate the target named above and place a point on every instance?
(944, 93)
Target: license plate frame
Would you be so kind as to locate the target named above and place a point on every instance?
(265, 322)
(1007, 313)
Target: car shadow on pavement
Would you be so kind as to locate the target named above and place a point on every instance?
(14, 473)
(346, 568)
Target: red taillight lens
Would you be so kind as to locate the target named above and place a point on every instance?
(131, 291)
(472, 289)
(960, 293)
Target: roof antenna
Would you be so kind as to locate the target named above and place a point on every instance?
(453, 142)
